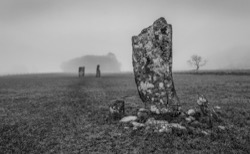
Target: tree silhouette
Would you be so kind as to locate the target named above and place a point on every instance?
(197, 62)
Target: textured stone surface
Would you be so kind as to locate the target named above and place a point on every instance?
(152, 62)
(81, 71)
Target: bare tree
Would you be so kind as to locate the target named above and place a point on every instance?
(197, 62)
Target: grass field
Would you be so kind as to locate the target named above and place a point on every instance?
(61, 113)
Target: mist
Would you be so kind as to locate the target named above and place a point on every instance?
(39, 35)
(108, 64)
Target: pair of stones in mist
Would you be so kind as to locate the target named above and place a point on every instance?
(152, 63)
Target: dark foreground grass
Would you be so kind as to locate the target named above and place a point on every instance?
(64, 114)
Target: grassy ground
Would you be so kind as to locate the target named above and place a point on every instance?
(59, 113)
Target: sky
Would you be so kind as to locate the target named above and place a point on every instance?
(39, 35)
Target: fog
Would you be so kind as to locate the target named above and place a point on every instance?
(108, 64)
(39, 35)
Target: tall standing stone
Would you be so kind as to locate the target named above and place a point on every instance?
(152, 62)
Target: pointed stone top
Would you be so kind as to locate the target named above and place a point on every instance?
(158, 24)
(160, 20)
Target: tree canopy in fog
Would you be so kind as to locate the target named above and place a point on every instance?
(197, 62)
(108, 63)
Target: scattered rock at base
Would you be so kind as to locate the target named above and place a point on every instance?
(222, 127)
(128, 119)
(117, 109)
(189, 119)
(177, 126)
(154, 109)
(196, 124)
(158, 125)
(191, 112)
(205, 132)
(165, 129)
(126, 127)
(192, 121)
(217, 107)
(203, 104)
(162, 125)
(137, 125)
(152, 121)
(143, 114)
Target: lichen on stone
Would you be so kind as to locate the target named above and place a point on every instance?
(152, 63)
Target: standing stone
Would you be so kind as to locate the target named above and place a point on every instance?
(81, 71)
(152, 62)
(98, 72)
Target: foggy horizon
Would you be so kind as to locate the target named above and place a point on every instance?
(39, 35)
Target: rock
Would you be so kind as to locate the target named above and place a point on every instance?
(182, 115)
(142, 110)
(163, 126)
(205, 132)
(143, 114)
(191, 112)
(196, 124)
(156, 125)
(128, 119)
(164, 110)
(117, 109)
(165, 129)
(177, 126)
(152, 121)
(137, 125)
(154, 109)
(152, 63)
(202, 100)
(190, 119)
(222, 127)
(217, 107)
(203, 104)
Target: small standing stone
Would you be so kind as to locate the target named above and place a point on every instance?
(117, 109)
(81, 71)
(152, 62)
(143, 114)
(98, 71)
(203, 104)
